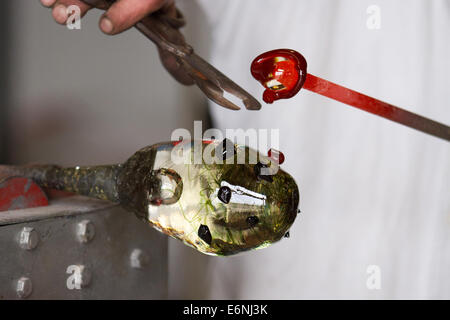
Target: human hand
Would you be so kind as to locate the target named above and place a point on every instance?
(122, 14)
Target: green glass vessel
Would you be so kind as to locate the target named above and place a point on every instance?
(215, 196)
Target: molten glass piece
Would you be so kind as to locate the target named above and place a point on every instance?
(276, 155)
(282, 72)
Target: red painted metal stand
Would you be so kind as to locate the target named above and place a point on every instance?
(21, 193)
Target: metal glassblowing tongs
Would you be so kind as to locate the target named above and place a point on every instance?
(178, 57)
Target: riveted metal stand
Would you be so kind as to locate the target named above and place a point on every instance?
(80, 248)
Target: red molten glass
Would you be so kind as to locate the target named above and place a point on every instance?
(276, 155)
(282, 72)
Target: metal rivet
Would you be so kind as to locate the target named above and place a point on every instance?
(24, 287)
(85, 231)
(83, 276)
(80, 276)
(29, 238)
(138, 259)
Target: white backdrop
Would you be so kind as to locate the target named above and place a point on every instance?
(372, 192)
